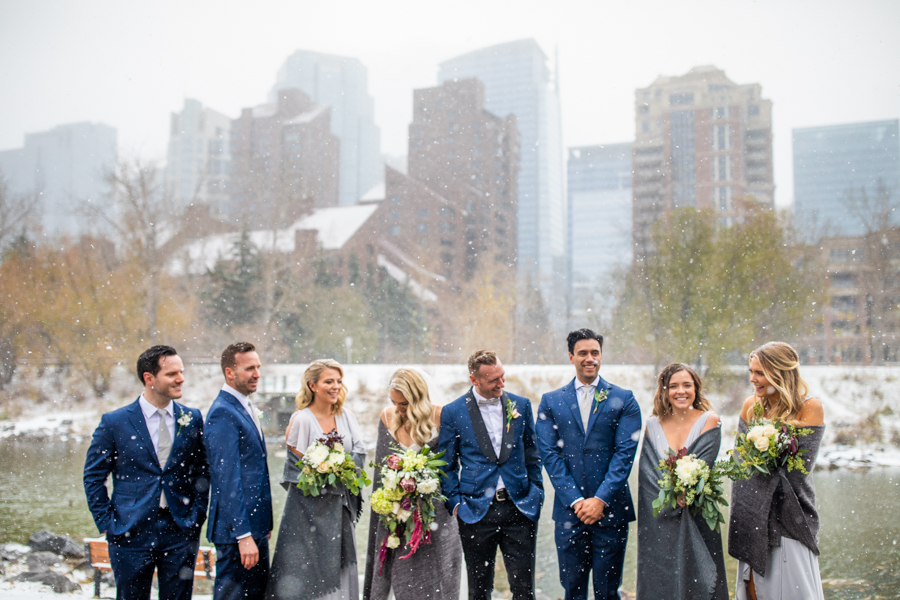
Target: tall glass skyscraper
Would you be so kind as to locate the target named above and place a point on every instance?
(599, 227)
(518, 81)
(832, 161)
(342, 84)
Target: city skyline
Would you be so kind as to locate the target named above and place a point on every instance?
(134, 76)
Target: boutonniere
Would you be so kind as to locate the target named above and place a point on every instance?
(259, 414)
(184, 419)
(598, 398)
(511, 412)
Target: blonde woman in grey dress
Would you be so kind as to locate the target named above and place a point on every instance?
(434, 571)
(679, 556)
(773, 530)
(315, 555)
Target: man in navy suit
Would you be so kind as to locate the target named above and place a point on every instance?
(240, 508)
(493, 478)
(154, 449)
(588, 433)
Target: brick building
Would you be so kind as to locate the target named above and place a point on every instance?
(700, 140)
(285, 161)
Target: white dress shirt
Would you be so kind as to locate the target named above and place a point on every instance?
(585, 392)
(245, 402)
(151, 417)
(494, 422)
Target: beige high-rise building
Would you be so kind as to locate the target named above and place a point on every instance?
(700, 140)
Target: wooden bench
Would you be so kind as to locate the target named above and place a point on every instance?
(97, 552)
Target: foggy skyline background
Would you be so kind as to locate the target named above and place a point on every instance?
(130, 66)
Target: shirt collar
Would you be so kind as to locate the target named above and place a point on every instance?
(244, 400)
(149, 410)
(579, 385)
(479, 397)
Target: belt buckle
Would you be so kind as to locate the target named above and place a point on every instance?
(501, 495)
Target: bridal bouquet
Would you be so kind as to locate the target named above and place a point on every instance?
(326, 463)
(405, 501)
(769, 444)
(700, 487)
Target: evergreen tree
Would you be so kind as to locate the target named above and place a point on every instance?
(230, 293)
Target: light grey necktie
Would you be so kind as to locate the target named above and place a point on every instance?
(587, 397)
(254, 416)
(164, 446)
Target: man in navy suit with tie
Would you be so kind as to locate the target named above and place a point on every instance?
(154, 449)
(240, 508)
(493, 479)
(588, 432)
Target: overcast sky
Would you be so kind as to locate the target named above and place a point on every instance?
(129, 64)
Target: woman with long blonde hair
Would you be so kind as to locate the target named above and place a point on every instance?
(671, 564)
(320, 565)
(774, 524)
(434, 571)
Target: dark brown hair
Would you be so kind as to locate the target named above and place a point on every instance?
(236, 348)
(662, 406)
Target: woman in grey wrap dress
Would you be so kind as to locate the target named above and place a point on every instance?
(773, 530)
(679, 556)
(315, 554)
(434, 571)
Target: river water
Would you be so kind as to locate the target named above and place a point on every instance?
(40, 487)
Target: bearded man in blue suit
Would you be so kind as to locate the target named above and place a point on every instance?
(240, 504)
(588, 433)
(154, 449)
(493, 480)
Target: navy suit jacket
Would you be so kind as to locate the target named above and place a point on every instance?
(594, 462)
(240, 496)
(122, 446)
(473, 467)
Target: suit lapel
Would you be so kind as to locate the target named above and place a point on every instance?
(136, 416)
(244, 415)
(570, 399)
(601, 386)
(508, 432)
(178, 435)
(481, 433)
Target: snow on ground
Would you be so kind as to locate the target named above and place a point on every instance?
(862, 404)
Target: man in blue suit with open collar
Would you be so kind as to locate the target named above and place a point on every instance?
(240, 507)
(154, 449)
(588, 433)
(493, 481)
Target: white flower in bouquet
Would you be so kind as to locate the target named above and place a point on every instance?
(403, 515)
(688, 470)
(429, 486)
(336, 458)
(393, 541)
(755, 433)
(390, 479)
(769, 430)
(317, 453)
(338, 447)
(762, 443)
(323, 467)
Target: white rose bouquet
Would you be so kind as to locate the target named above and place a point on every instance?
(689, 481)
(326, 463)
(405, 501)
(768, 445)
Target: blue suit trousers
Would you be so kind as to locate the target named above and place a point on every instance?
(233, 581)
(169, 551)
(582, 548)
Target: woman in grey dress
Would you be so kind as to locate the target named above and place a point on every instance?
(679, 556)
(315, 554)
(773, 530)
(434, 571)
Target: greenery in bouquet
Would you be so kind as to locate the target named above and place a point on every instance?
(325, 463)
(699, 487)
(768, 445)
(405, 502)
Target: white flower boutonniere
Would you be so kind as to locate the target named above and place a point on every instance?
(259, 414)
(184, 419)
(598, 398)
(511, 412)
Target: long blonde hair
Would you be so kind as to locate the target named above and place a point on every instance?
(662, 406)
(414, 389)
(312, 373)
(781, 366)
